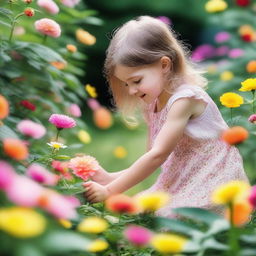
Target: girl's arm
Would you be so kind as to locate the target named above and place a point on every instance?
(165, 142)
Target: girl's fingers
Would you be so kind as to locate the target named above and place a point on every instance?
(91, 198)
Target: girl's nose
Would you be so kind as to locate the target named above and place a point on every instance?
(133, 90)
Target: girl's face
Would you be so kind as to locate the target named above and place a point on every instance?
(145, 82)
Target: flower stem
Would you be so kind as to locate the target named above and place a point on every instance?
(57, 135)
(13, 24)
(253, 100)
(44, 39)
(231, 115)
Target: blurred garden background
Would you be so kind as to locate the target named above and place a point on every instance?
(51, 61)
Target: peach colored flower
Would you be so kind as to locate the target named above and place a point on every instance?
(49, 5)
(58, 64)
(235, 135)
(48, 27)
(85, 37)
(4, 107)
(70, 3)
(84, 166)
(31, 129)
(71, 48)
(74, 110)
(15, 148)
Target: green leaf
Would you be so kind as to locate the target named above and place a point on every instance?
(5, 24)
(6, 132)
(251, 239)
(61, 157)
(64, 241)
(6, 12)
(198, 214)
(248, 252)
(218, 226)
(213, 244)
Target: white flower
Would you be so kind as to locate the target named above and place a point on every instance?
(56, 145)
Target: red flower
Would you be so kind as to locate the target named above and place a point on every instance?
(247, 37)
(235, 135)
(27, 104)
(29, 12)
(243, 2)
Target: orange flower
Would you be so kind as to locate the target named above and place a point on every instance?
(4, 107)
(241, 213)
(235, 135)
(85, 37)
(102, 118)
(58, 64)
(251, 66)
(121, 203)
(15, 148)
(71, 48)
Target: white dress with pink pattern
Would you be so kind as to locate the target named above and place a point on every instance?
(200, 161)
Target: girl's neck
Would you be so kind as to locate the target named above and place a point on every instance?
(162, 101)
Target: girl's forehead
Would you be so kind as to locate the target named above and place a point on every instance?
(124, 73)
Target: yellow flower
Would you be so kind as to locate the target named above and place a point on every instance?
(85, 37)
(231, 100)
(71, 48)
(97, 245)
(245, 29)
(84, 136)
(168, 243)
(216, 6)
(226, 76)
(248, 85)
(65, 223)
(56, 145)
(120, 152)
(91, 91)
(93, 225)
(22, 222)
(230, 192)
(152, 201)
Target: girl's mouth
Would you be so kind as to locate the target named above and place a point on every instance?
(142, 96)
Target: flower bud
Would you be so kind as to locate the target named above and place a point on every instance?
(27, 1)
(29, 12)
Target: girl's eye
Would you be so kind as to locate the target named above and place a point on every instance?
(125, 84)
(137, 82)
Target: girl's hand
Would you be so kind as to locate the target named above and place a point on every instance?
(95, 192)
(102, 177)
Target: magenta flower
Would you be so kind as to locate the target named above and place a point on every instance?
(252, 119)
(235, 53)
(93, 104)
(165, 20)
(252, 197)
(31, 129)
(137, 235)
(50, 6)
(7, 175)
(62, 121)
(24, 191)
(42, 175)
(203, 52)
(70, 3)
(222, 37)
(57, 205)
(48, 27)
(222, 50)
(74, 110)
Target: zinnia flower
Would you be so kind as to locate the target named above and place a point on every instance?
(252, 119)
(84, 136)
(49, 5)
(42, 175)
(27, 104)
(91, 91)
(222, 37)
(121, 203)
(235, 53)
(226, 76)
(15, 148)
(7, 175)
(243, 3)
(231, 100)
(252, 197)
(94, 225)
(235, 135)
(74, 110)
(120, 152)
(168, 243)
(102, 118)
(216, 6)
(59, 64)
(165, 20)
(248, 85)
(150, 202)
(70, 3)
(85, 37)
(31, 129)
(251, 66)
(4, 107)
(137, 235)
(48, 27)
(97, 245)
(29, 12)
(84, 166)
(22, 222)
(62, 121)
(71, 48)
(230, 192)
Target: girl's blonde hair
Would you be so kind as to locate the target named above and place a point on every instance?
(142, 41)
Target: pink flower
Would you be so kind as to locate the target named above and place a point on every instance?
(74, 110)
(203, 52)
(252, 119)
(70, 3)
(137, 235)
(32, 129)
(48, 27)
(49, 6)
(165, 20)
(84, 166)
(62, 121)
(41, 175)
(252, 197)
(73, 200)
(93, 104)
(235, 53)
(222, 37)
(24, 191)
(7, 175)
(222, 50)
(58, 205)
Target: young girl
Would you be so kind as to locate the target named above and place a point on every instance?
(147, 69)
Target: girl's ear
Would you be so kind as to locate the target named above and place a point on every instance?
(166, 64)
